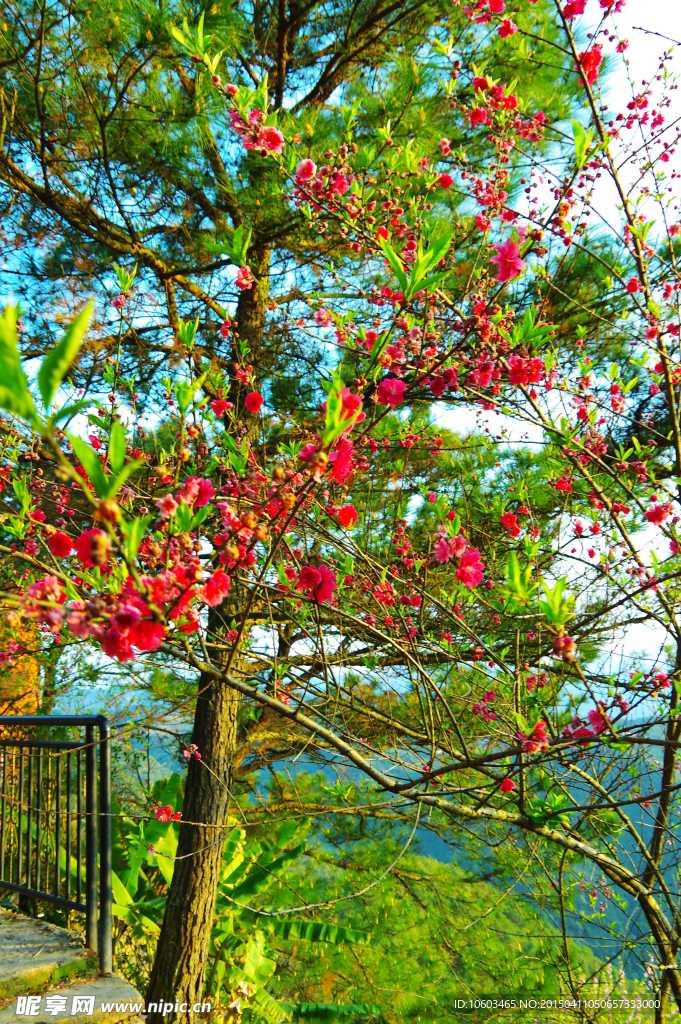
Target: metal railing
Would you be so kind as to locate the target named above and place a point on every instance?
(55, 844)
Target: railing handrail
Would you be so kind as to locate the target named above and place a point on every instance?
(98, 927)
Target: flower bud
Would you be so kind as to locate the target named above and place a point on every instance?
(109, 510)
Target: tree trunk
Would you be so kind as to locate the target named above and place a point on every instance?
(178, 973)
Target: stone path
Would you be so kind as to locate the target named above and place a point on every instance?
(46, 974)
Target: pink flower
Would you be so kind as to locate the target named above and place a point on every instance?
(244, 278)
(382, 232)
(268, 140)
(94, 441)
(323, 318)
(507, 28)
(590, 61)
(443, 553)
(470, 569)
(508, 261)
(165, 814)
(598, 720)
(215, 590)
(306, 170)
(119, 301)
(445, 181)
(480, 84)
(167, 506)
(116, 644)
(391, 392)
(60, 544)
(197, 491)
(347, 516)
(445, 147)
(341, 463)
(507, 785)
(219, 407)
(497, 6)
(253, 402)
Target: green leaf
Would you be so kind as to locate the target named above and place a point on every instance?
(317, 931)
(56, 363)
(14, 393)
(183, 516)
(117, 446)
(185, 391)
(134, 532)
(582, 142)
(89, 460)
(129, 468)
(395, 262)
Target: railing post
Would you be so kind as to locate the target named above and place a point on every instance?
(105, 910)
(91, 839)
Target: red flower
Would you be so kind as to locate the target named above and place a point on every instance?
(60, 544)
(253, 402)
(656, 514)
(573, 8)
(478, 115)
(324, 590)
(308, 578)
(536, 741)
(590, 61)
(480, 84)
(507, 28)
(219, 407)
(347, 516)
(507, 785)
(508, 261)
(148, 635)
(391, 392)
(632, 286)
(382, 232)
(216, 588)
(445, 181)
(92, 548)
(510, 521)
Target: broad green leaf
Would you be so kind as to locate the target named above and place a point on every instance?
(57, 363)
(14, 393)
